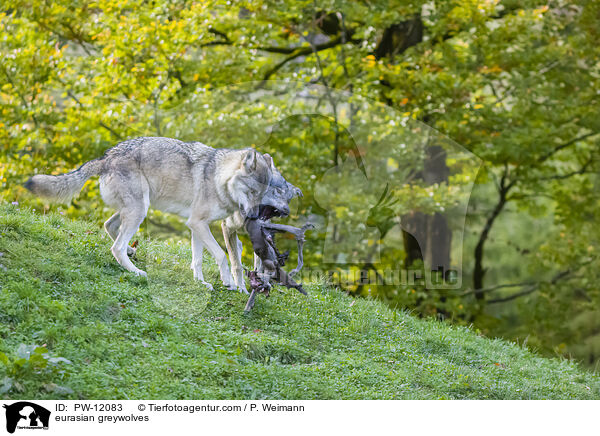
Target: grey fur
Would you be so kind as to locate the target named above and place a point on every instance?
(62, 188)
(190, 179)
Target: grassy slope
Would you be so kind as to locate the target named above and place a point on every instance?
(167, 338)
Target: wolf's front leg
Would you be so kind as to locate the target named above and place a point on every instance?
(234, 248)
(257, 263)
(201, 232)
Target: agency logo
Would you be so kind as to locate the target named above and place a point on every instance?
(26, 415)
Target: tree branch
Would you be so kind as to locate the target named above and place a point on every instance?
(556, 149)
(533, 287)
(226, 40)
(219, 33)
(280, 50)
(493, 288)
(527, 291)
(302, 51)
(75, 37)
(580, 171)
(211, 43)
(478, 271)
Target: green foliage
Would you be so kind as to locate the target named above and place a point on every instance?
(33, 362)
(134, 338)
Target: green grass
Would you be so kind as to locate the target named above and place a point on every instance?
(168, 338)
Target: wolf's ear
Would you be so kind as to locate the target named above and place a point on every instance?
(297, 191)
(269, 160)
(250, 161)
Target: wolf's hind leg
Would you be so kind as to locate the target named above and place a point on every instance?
(112, 228)
(130, 222)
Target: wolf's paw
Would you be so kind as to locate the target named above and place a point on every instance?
(208, 285)
(234, 287)
(140, 273)
(228, 282)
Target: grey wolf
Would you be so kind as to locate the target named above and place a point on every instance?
(193, 180)
(275, 203)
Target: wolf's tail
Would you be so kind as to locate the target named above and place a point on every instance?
(63, 187)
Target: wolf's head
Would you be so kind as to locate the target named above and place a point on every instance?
(277, 197)
(251, 180)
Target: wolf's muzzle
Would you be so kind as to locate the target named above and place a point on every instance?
(266, 211)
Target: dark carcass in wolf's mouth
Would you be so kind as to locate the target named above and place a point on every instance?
(269, 261)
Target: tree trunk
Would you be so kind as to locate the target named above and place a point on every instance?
(479, 270)
(398, 37)
(428, 237)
